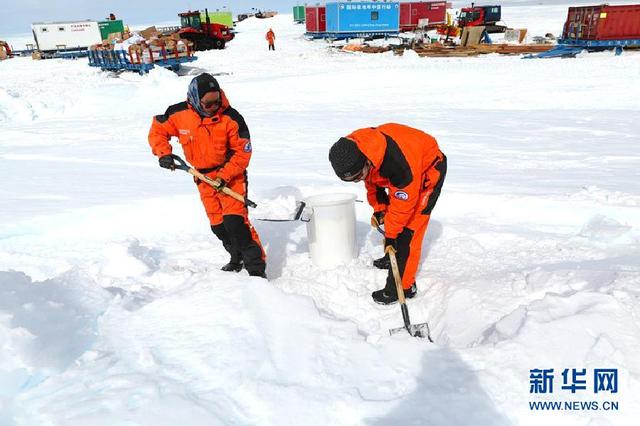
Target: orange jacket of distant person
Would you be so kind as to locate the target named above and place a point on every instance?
(271, 37)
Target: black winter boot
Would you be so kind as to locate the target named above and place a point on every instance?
(249, 250)
(233, 266)
(258, 274)
(387, 296)
(235, 263)
(383, 262)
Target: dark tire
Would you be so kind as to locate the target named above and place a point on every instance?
(203, 44)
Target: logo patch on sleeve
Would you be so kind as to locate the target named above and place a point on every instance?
(401, 195)
(247, 147)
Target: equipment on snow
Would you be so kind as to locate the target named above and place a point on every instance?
(298, 214)
(331, 228)
(300, 205)
(182, 165)
(203, 29)
(415, 330)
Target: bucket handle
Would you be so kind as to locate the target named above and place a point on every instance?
(305, 214)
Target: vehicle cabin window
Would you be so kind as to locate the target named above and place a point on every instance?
(60, 28)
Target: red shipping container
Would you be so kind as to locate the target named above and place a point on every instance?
(412, 12)
(316, 19)
(603, 22)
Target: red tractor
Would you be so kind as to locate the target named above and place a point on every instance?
(481, 15)
(204, 35)
(5, 50)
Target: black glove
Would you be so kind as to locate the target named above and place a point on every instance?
(390, 242)
(166, 162)
(220, 184)
(378, 217)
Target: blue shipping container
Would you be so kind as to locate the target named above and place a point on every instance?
(363, 17)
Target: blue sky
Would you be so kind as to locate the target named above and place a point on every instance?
(17, 15)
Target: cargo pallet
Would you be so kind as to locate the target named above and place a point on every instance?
(60, 54)
(439, 50)
(348, 36)
(569, 48)
(119, 60)
(67, 54)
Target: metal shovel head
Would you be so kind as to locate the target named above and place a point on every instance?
(415, 330)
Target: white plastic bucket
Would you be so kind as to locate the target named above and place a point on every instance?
(331, 228)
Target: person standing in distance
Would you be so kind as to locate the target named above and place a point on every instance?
(271, 39)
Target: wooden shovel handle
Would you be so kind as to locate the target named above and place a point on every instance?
(230, 192)
(396, 273)
(179, 163)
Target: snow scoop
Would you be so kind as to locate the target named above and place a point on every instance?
(415, 330)
(297, 215)
(182, 165)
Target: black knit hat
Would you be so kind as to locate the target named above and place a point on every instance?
(206, 83)
(346, 159)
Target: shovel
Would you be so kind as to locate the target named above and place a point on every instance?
(297, 215)
(182, 165)
(415, 330)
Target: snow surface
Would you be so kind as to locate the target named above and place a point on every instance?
(113, 309)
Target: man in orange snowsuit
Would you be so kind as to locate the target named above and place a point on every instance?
(403, 170)
(216, 141)
(271, 39)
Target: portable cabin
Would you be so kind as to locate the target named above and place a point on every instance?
(363, 18)
(603, 22)
(67, 35)
(412, 12)
(298, 14)
(315, 19)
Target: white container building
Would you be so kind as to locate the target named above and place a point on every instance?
(59, 36)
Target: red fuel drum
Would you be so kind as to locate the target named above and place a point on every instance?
(412, 12)
(316, 19)
(603, 22)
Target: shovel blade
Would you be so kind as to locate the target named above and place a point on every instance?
(415, 330)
